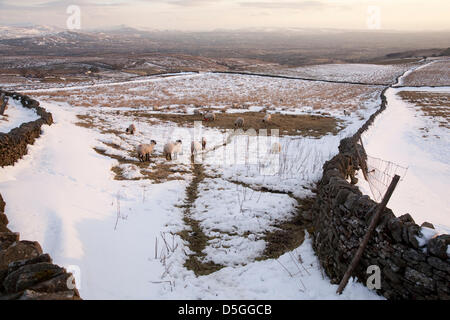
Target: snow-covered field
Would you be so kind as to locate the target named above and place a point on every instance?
(436, 73)
(363, 73)
(398, 136)
(124, 227)
(105, 230)
(180, 93)
(15, 115)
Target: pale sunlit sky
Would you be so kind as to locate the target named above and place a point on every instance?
(191, 15)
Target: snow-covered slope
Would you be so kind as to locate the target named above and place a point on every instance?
(396, 136)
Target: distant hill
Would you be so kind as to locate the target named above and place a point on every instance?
(289, 47)
(446, 52)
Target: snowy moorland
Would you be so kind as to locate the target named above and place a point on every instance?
(436, 73)
(187, 228)
(363, 73)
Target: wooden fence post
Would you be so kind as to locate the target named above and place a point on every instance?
(368, 234)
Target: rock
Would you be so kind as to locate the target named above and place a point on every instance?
(439, 264)
(413, 233)
(341, 197)
(58, 283)
(395, 227)
(30, 275)
(391, 275)
(427, 225)
(9, 236)
(406, 218)
(2, 205)
(13, 266)
(22, 250)
(419, 278)
(61, 295)
(438, 246)
(413, 256)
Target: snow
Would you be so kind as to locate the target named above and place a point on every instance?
(395, 136)
(72, 206)
(426, 235)
(122, 235)
(346, 72)
(16, 115)
(107, 229)
(283, 279)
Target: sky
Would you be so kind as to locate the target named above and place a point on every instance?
(205, 15)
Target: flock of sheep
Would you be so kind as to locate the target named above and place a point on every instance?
(174, 148)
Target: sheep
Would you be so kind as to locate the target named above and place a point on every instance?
(144, 150)
(239, 123)
(203, 143)
(131, 129)
(267, 118)
(198, 112)
(347, 113)
(197, 146)
(172, 148)
(209, 116)
(276, 148)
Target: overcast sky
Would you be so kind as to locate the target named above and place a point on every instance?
(233, 14)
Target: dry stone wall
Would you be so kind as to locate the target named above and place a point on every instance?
(26, 273)
(411, 267)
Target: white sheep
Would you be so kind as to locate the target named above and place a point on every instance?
(267, 118)
(198, 112)
(131, 129)
(172, 148)
(144, 151)
(197, 146)
(239, 123)
(347, 113)
(209, 116)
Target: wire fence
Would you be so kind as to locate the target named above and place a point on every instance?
(380, 174)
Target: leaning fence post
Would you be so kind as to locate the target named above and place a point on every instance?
(368, 234)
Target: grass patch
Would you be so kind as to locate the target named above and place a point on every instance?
(289, 234)
(432, 104)
(195, 237)
(291, 125)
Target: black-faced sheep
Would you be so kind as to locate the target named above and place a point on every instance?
(131, 129)
(172, 148)
(145, 150)
(239, 123)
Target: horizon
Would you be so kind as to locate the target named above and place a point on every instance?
(107, 28)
